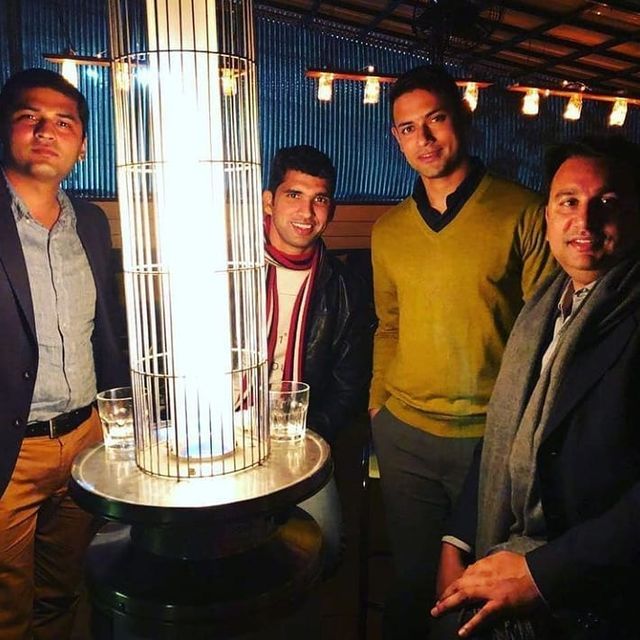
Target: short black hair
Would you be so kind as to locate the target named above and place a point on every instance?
(303, 158)
(616, 150)
(36, 78)
(435, 79)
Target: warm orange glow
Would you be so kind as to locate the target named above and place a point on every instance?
(531, 103)
(325, 87)
(618, 113)
(574, 107)
(471, 95)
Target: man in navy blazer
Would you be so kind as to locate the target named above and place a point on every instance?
(59, 343)
(545, 541)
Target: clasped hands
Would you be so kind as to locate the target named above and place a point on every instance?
(499, 583)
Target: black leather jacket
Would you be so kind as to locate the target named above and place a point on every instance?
(339, 334)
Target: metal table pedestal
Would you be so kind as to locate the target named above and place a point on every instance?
(227, 557)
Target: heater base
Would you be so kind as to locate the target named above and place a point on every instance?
(110, 484)
(258, 593)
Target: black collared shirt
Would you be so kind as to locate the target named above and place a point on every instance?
(455, 201)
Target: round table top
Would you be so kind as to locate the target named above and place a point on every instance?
(109, 483)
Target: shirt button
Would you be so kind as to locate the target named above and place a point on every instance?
(17, 423)
(27, 375)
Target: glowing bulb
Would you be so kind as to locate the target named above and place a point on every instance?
(229, 82)
(471, 95)
(325, 87)
(372, 91)
(574, 107)
(618, 113)
(70, 71)
(121, 79)
(531, 102)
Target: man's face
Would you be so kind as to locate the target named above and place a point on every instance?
(45, 136)
(424, 127)
(300, 210)
(593, 217)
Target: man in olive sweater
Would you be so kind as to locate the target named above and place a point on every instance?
(452, 265)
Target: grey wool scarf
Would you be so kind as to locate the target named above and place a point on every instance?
(523, 399)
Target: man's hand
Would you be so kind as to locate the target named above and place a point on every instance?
(451, 567)
(373, 412)
(501, 581)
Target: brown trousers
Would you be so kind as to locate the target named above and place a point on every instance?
(43, 538)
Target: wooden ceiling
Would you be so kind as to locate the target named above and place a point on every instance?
(538, 42)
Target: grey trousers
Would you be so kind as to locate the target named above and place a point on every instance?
(421, 477)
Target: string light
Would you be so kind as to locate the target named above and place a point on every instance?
(69, 71)
(531, 103)
(574, 107)
(471, 95)
(372, 90)
(576, 93)
(373, 83)
(618, 113)
(325, 87)
(69, 62)
(229, 80)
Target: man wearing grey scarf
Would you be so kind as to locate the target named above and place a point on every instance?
(545, 541)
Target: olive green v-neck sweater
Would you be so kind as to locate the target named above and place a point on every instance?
(446, 302)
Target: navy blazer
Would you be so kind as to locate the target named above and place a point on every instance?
(588, 473)
(18, 342)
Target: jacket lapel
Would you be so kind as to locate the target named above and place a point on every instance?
(12, 258)
(589, 364)
(87, 238)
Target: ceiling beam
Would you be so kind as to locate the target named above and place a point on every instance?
(544, 79)
(392, 5)
(550, 23)
(603, 46)
(400, 37)
(628, 74)
(568, 44)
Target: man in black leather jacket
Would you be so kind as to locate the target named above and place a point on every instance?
(320, 325)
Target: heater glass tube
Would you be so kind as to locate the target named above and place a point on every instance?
(189, 191)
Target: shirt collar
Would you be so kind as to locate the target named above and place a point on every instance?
(455, 200)
(462, 193)
(571, 300)
(67, 217)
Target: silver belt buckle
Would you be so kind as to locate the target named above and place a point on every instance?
(52, 428)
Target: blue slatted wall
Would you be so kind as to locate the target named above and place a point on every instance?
(355, 135)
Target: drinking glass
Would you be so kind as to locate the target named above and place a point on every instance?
(288, 404)
(115, 407)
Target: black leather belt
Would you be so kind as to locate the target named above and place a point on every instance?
(58, 426)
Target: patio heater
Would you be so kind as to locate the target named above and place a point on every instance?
(204, 490)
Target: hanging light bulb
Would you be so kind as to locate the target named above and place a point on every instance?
(618, 113)
(531, 102)
(121, 76)
(372, 91)
(69, 71)
(574, 107)
(229, 82)
(325, 87)
(471, 95)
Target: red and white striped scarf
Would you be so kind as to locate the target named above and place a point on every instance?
(294, 354)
